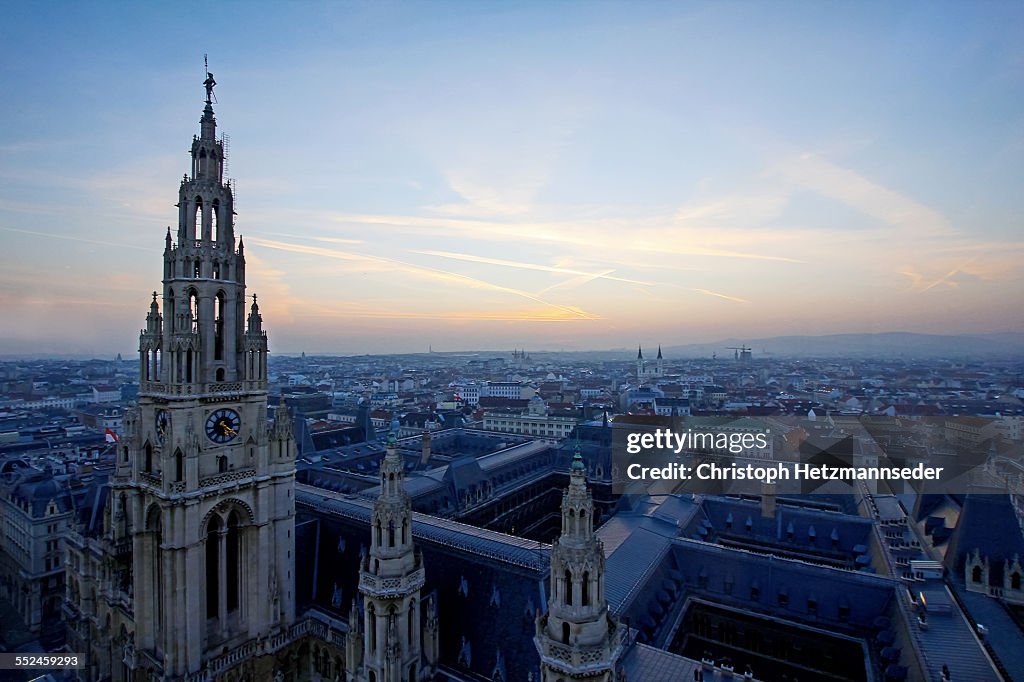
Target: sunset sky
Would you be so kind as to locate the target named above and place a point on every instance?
(494, 175)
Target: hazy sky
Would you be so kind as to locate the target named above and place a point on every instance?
(498, 175)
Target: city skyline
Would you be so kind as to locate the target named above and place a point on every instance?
(483, 176)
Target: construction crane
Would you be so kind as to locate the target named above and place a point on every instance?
(742, 352)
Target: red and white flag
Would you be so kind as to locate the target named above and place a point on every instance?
(110, 436)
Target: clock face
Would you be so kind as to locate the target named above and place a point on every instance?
(222, 425)
(163, 424)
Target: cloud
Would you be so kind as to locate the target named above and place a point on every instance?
(421, 271)
(849, 187)
(644, 234)
(529, 266)
(575, 282)
(726, 297)
(83, 240)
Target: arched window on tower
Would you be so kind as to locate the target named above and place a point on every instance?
(154, 538)
(149, 457)
(218, 327)
(565, 633)
(568, 587)
(585, 599)
(179, 465)
(233, 566)
(371, 617)
(412, 623)
(198, 220)
(214, 222)
(193, 309)
(213, 567)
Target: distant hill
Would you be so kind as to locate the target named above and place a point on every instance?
(887, 344)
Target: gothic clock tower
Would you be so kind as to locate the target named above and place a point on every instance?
(206, 485)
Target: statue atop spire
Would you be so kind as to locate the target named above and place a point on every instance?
(209, 83)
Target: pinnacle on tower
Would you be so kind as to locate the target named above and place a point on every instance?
(577, 638)
(390, 580)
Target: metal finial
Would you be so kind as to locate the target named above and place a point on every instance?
(577, 457)
(393, 430)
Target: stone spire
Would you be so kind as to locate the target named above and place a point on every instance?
(390, 581)
(577, 638)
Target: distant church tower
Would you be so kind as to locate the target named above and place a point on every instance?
(203, 488)
(394, 642)
(577, 638)
(645, 373)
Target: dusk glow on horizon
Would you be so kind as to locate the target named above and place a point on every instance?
(550, 176)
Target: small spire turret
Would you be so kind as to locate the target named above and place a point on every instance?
(255, 319)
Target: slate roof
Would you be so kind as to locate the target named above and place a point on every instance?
(812, 531)
(949, 640)
(628, 569)
(1004, 634)
(988, 523)
(642, 662)
(338, 437)
(36, 489)
(459, 536)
